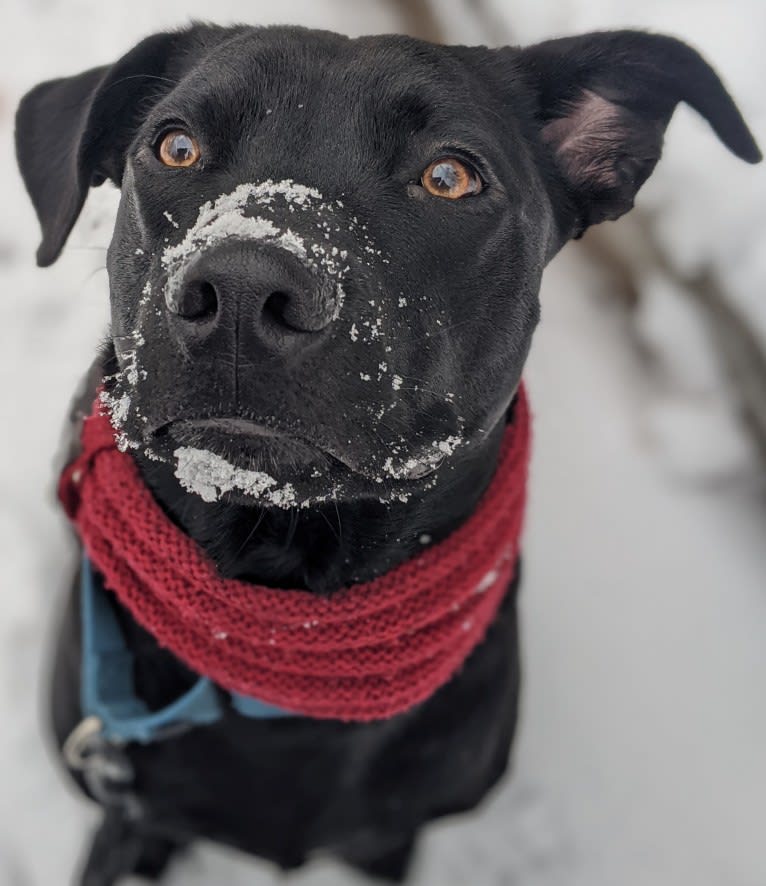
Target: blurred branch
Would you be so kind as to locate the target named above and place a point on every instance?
(743, 355)
(495, 28)
(419, 19)
(737, 347)
(423, 19)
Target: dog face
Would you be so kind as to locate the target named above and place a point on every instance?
(325, 269)
(315, 315)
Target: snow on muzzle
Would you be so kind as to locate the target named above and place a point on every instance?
(248, 214)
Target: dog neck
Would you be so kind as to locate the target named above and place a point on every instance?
(443, 598)
(324, 548)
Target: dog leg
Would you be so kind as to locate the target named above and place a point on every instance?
(114, 852)
(119, 848)
(156, 854)
(392, 865)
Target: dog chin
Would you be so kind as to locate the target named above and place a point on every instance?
(238, 462)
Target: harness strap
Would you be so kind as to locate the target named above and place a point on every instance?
(107, 689)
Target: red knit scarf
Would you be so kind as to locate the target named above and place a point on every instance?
(368, 652)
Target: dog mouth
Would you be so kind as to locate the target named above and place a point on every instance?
(232, 453)
(244, 439)
(233, 425)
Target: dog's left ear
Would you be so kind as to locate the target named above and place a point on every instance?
(74, 132)
(602, 102)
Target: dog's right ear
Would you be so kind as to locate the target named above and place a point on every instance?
(598, 105)
(74, 132)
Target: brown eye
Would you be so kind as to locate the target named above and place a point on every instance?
(451, 178)
(178, 148)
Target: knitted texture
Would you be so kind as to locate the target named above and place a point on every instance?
(368, 652)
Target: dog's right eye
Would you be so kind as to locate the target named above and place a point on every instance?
(179, 149)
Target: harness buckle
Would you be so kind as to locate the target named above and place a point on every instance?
(82, 742)
(105, 768)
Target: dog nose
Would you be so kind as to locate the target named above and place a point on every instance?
(262, 293)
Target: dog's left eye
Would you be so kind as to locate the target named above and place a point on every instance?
(178, 148)
(451, 178)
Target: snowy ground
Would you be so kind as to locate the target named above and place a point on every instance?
(640, 759)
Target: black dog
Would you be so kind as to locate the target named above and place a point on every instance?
(434, 184)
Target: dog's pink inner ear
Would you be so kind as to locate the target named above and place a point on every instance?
(585, 141)
(604, 150)
(603, 102)
(600, 145)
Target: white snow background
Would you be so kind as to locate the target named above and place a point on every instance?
(640, 758)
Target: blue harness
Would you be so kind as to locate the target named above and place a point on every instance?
(107, 691)
(113, 715)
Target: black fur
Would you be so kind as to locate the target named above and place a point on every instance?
(444, 295)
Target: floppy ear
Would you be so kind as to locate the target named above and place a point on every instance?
(74, 132)
(603, 101)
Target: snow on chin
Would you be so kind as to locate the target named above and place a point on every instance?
(224, 218)
(210, 476)
(414, 468)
